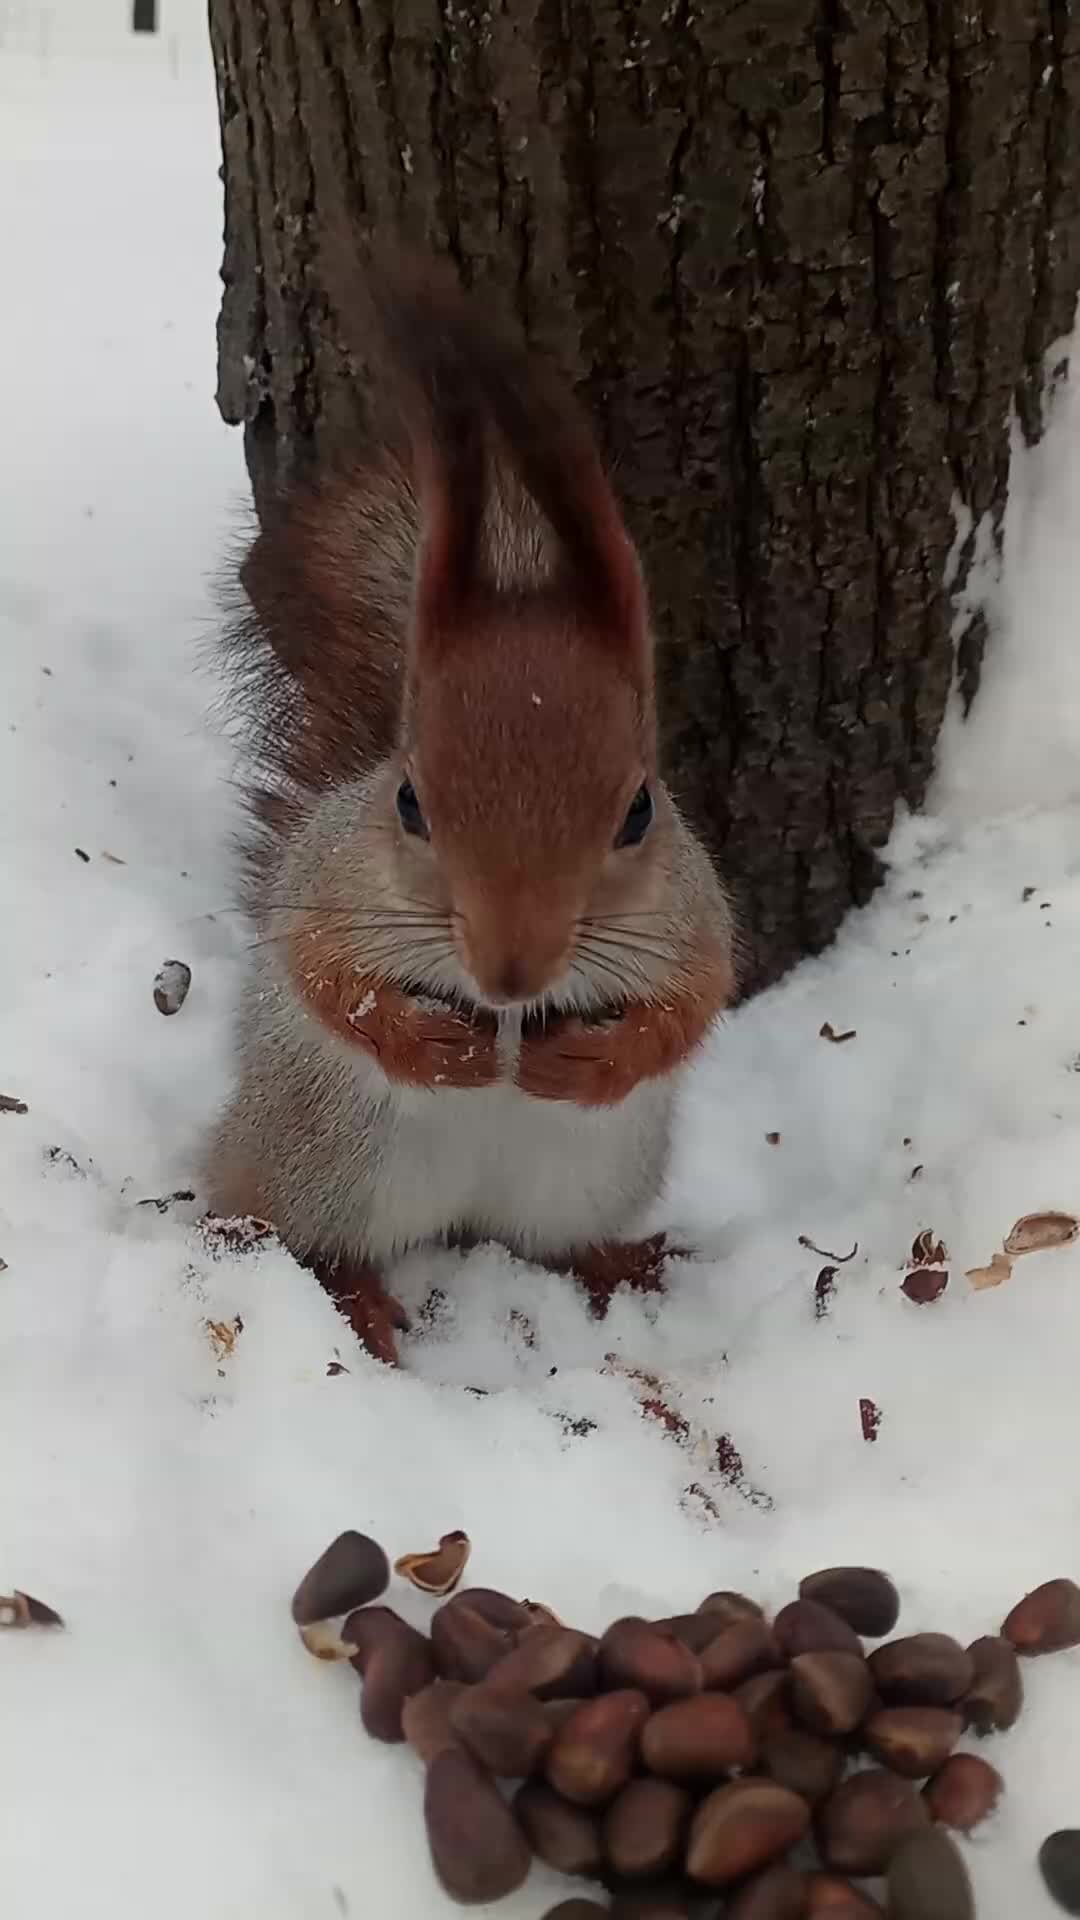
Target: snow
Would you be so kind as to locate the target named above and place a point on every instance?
(165, 1485)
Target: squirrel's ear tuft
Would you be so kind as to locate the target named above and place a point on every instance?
(450, 482)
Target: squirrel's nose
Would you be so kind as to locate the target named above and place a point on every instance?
(508, 975)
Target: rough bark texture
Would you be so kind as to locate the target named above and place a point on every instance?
(800, 256)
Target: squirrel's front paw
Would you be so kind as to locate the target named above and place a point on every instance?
(423, 1043)
(589, 1063)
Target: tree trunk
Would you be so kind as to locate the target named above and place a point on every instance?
(801, 257)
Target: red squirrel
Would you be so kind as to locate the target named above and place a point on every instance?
(487, 943)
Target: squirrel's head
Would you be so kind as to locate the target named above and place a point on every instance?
(526, 800)
(526, 797)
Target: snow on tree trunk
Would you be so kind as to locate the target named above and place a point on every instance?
(801, 259)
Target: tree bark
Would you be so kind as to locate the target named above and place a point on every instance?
(801, 258)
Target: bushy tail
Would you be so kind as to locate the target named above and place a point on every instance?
(461, 373)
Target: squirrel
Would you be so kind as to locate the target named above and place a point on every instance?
(487, 942)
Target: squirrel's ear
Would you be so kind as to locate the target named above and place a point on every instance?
(450, 490)
(610, 576)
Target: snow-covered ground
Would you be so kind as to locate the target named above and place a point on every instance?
(176, 1752)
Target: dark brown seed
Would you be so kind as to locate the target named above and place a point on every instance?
(743, 1826)
(498, 1609)
(803, 1763)
(866, 1819)
(727, 1608)
(477, 1848)
(558, 1712)
(1046, 1620)
(766, 1702)
(593, 1754)
(805, 1626)
(653, 1905)
(738, 1652)
(914, 1741)
(695, 1630)
(699, 1739)
(777, 1894)
(508, 1733)
(863, 1596)
(927, 1880)
(371, 1628)
(394, 1667)
(644, 1828)
(353, 1571)
(828, 1897)
(172, 983)
(564, 1837)
(466, 1645)
(966, 1791)
(922, 1670)
(993, 1702)
(635, 1654)
(831, 1693)
(426, 1719)
(1059, 1864)
(551, 1662)
(576, 1910)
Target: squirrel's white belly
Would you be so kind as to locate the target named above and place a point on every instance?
(543, 1176)
(356, 1165)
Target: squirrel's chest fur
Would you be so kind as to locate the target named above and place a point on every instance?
(362, 1167)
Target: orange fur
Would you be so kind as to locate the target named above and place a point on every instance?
(413, 1040)
(598, 1064)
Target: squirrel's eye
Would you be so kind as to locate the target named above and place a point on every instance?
(638, 820)
(409, 813)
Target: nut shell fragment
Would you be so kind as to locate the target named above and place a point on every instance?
(1037, 1231)
(439, 1571)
